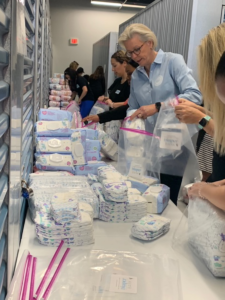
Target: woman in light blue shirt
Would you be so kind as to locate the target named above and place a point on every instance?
(159, 77)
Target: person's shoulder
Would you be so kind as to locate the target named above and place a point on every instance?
(173, 56)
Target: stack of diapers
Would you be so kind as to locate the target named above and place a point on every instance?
(93, 148)
(132, 210)
(115, 190)
(78, 140)
(48, 115)
(51, 233)
(46, 184)
(206, 234)
(54, 162)
(150, 227)
(158, 197)
(60, 93)
(108, 172)
(58, 75)
(108, 146)
(90, 168)
(143, 183)
(137, 123)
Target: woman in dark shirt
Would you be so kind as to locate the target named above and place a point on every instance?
(97, 82)
(118, 113)
(80, 86)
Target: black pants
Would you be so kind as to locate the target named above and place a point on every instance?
(174, 183)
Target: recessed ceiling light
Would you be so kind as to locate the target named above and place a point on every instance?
(136, 6)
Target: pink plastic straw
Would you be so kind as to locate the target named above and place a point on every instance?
(26, 277)
(102, 102)
(41, 285)
(33, 272)
(47, 291)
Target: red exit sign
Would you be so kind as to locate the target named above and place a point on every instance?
(73, 41)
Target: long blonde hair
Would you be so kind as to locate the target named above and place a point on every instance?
(143, 31)
(210, 52)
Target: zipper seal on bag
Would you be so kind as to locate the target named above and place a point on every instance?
(140, 131)
(89, 124)
(24, 273)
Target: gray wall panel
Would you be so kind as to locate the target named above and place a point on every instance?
(170, 21)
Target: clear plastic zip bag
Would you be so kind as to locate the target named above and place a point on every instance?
(134, 153)
(172, 151)
(202, 233)
(98, 275)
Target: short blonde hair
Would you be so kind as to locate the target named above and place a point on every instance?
(74, 65)
(143, 31)
(210, 51)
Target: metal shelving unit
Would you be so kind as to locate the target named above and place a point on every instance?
(28, 54)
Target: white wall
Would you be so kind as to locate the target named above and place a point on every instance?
(206, 15)
(80, 19)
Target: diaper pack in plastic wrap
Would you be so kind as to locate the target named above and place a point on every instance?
(108, 146)
(112, 129)
(55, 93)
(54, 98)
(53, 145)
(91, 134)
(93, 155)
(158, 197)
(150, 227)
(58, 75)
(56, 87)
(48, 115)
(53, 128)
(90, 168)
(54, 80)
(54, 104)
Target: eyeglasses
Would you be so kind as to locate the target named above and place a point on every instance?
(136, 51)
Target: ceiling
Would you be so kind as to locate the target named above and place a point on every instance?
(132, 2)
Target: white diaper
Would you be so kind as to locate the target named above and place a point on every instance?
(57, 87)
(54, 80)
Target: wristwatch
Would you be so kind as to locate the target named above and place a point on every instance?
(203, 122)
(158, 106)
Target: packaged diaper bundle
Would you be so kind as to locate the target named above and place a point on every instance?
(54, 108)
(93, 145)
(77, 233)
(64, 93)
(158, 197)
(93, 156)
(54, 104)
(108, 172)
(58, 75)
(60, 145)
(90, 168)
(143, 183)
(55, 93)
(108, 146)
(206, 234)
(112, 129)
(48, 115)
(119, 212)
(54, 80)
(150, 227)
(56, 87)
(54, 98)
(115, 190)
(97, 188)
(64, 208)
(92, 179)
(78, 139)
(57, 162)
(53, 128)
(64, 104)
(91, 134)
(65, 98)
(65, 88)
(62, 81)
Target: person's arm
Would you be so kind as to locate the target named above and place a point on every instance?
(107, 116)
(184, 80)
(192, 115)
(115, 104)
(210, 192)
(84, 93)
(73, 96)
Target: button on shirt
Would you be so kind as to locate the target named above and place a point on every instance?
(169, 77)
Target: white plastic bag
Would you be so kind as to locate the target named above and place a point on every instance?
(204, 233)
